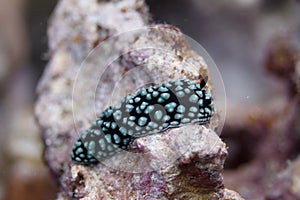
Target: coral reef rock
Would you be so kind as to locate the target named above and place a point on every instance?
(180, 163)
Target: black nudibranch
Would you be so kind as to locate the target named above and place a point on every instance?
(148, 111)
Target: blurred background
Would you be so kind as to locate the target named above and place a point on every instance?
(255, 44)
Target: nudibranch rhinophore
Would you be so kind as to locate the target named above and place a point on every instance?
(150, 110)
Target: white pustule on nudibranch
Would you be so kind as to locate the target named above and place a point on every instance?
(148, 111)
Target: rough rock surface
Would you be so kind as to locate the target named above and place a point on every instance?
(187, 163)
(181, 163)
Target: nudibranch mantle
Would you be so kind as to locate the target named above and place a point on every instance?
(150, 110)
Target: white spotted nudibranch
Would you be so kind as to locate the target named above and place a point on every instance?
(148, 111)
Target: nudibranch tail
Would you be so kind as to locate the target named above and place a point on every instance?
(148, 111)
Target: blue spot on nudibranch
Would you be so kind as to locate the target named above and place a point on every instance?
(150, 110)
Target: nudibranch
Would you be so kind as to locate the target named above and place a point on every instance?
(150, 110)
